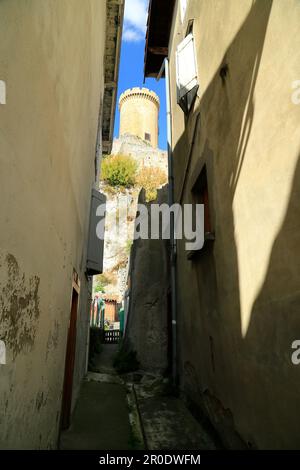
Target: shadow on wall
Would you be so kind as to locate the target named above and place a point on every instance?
(251, 378)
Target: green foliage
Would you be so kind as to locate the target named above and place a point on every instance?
(126, 361)
(151, 178)
(98, 287)
(101, 281)
(128, 246)
(119, 170)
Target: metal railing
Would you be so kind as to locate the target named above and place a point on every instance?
(112, 336)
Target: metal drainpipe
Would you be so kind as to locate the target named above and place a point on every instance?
(172, 224)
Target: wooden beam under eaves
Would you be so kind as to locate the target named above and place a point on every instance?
(158, 50)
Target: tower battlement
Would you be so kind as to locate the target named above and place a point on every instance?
(136, 92)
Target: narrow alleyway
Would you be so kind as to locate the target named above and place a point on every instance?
(134, 411)
(104, 360)
(100, 420)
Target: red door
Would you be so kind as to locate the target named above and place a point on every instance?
(69, 365)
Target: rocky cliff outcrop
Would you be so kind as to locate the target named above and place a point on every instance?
(147, 322)
(121, 209)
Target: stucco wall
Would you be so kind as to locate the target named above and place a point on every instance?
(239, 299)
(51, 58)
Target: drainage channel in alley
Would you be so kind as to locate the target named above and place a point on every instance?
(131, 412)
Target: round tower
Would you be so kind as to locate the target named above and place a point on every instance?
(139, 109)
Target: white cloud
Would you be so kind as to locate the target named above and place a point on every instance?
(135, 19)
(131, 35)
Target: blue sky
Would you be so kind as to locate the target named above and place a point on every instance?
(132, 62)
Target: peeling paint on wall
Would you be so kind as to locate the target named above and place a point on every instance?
(53, 337)
(19, 307)
(40, 401)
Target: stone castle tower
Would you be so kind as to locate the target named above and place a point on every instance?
(138, 139)
(139, 108)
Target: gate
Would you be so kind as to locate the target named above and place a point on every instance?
(112, 336)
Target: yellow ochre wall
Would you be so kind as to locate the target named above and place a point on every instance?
(51, 59)
(239, 298)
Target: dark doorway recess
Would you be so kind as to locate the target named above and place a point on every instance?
(69, 364)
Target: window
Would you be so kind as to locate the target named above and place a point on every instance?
(183, 6)
(200, 192)
(186, 73)
(201, 196)
(190, 27)
(147, 137)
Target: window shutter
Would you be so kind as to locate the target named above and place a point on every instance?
(186, 70)
(95, 249)
(2, 92)
(186, 66)
(2, 353)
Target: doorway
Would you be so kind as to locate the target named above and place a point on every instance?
(69, 364)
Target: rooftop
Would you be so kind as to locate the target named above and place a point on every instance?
(159, 23)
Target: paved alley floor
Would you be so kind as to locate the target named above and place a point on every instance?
(135, 411)
(100, 420)
(104, 360)
(168, 424)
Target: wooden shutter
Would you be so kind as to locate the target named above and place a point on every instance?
(186, 67)
(94, 264)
